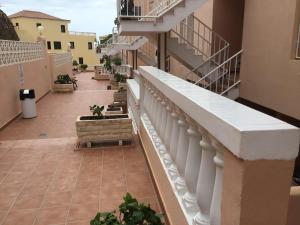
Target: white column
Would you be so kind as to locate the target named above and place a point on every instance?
(215, 209)
(206, 179)
(163, 123)
(168, 131)
(158, 114)
(154, 108)
(173, 144)
(182, 151)
(192, 169)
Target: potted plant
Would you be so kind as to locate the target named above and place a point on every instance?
(131, 212)
(103, 128)
(83, 67)
(118, 81)
(121, 95)
(63, 83)
(117, 61)
(112, 110)
(75, 65)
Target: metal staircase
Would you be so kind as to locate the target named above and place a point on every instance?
(140, 16)
(206, 54)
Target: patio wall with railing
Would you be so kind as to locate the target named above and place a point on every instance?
(213, 160)
(25, 65)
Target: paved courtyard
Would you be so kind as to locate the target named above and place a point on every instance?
(43, 181)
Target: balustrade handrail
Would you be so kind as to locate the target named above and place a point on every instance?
(192, 134)
(82, 33)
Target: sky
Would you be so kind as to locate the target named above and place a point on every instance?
(85, 15)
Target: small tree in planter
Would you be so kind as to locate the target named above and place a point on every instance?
(102, 128)
(121, 95)
(83, 67)
(63, 83)
(75, 65)
(117, 61)
(131, 213)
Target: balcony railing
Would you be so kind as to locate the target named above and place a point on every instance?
(82, 33)
(298, 45)
(144, 9)
(200, 144)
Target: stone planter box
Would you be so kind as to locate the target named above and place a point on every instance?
(91, 129)
(112, 111)
(63, 87)
(99, 76)
(120, 96)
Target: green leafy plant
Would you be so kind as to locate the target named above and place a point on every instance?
(131, 213)
(117, 61)
(83, 66)
(106, 218)
(119, 78)
(97, 110)
(75, 63)
(107, 63)
(63, 79)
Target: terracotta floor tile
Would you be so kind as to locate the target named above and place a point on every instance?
(109, 205)
(57, 199)
(36, 189)
(2, 216)
(112, 192)
(82, 212)
(6, 202)
(15, 177)
(21, 217)
(28, 202)
(59, 178)
(11, 189)
(83, 222)
(86, 196)
(51, 216)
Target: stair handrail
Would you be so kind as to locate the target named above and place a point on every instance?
(137, 8)
(220, 53)
(187, 29)
(224, 69)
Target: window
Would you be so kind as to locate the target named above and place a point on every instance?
(57, 45)
(90, 45)
(38, 24)
(63, 28)
(49, 45)
(80, 60)
(72, 45)
(17, 24)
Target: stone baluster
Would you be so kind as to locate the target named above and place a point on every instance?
(157, 119)
(206, 180)
(174, 143)
(168, 131)
(181, 156)
(215, 209)
(146, 97)
(153, 110)
(192, 169)
(163, 123)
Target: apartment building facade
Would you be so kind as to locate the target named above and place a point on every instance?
(56, 32)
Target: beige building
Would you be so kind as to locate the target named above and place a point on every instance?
(56, 32)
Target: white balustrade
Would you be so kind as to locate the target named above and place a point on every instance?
(190, 134)
(192, 169)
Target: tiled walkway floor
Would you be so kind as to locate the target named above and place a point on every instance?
(45, 182)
